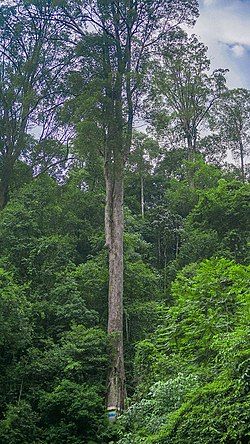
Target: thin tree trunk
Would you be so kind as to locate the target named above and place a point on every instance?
(3, 194)
(242, 161)
(142, 197)
(190, 148)
(6, 175)
(165, 271)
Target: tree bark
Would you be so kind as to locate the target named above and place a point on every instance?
(3, 194)
(114, 224)
(242, 160)
(5, 178)
(142, 197)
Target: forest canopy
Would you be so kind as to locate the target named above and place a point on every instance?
(124, 255)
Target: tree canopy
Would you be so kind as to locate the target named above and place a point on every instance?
(124, 255)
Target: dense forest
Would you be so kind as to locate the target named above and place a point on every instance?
(124, 228)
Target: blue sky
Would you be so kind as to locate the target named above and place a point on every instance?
(224, 26)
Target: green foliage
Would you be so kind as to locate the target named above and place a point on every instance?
(207, 300)
(62, 304)
(19, 425)
(30, 77)
(139, 181)
(62, 386)
(147, 416)
(231, 124)
(187, 350)
(16, 331)
(89, 347)
(15, 312)
(71, 412)
(53, 228)
(183, 90)
(200, 358)
(191, 177)
(222, 213)
(217, 413)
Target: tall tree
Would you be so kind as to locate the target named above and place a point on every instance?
(183, 90)
(31, 61)
(120, 35)
(231, 124)
(144, 152)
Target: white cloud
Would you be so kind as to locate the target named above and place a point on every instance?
(238, 50)
(209, 2)
(224, 26)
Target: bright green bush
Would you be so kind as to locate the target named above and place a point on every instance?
(200, 357)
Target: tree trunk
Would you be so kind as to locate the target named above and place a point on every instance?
(190, 148)
(3, 194)
(114, 225)
(6, 175)
(142, 196)
(242, 161)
